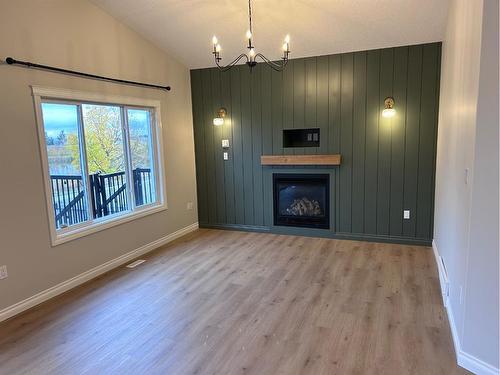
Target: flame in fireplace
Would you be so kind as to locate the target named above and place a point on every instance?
(304, 207)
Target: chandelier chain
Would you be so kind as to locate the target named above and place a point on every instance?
(250, 15)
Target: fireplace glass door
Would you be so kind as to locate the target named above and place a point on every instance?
(302, 200)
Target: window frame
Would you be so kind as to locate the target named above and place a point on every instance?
(92, 225)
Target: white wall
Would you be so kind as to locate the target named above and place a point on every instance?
(466, 214)
(76, 34)
(481, 312)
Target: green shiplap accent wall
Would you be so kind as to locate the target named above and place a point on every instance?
(387, 164)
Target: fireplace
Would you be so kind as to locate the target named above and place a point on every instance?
(302, 200)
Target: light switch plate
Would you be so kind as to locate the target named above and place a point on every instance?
(225, 143)
(406, 214)
(226, 156)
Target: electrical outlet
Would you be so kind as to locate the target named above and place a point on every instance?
(3, 272)
(406, 214)
(225, 143)
(226, 156)
(189, 205)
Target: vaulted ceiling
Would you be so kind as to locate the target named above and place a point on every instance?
(184, 28)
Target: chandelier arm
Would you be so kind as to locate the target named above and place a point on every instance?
(267, 61)
(225, 68)
(277, 67)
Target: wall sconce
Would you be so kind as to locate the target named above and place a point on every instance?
(389, 110)
(219, 120)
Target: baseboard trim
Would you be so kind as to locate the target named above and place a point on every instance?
(475, 365)
(385, 239)
(444, 282)
(324, 233)
(241, 227)
(464, 359)
(47, 294)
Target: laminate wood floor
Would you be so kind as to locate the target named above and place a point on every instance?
(223, 302)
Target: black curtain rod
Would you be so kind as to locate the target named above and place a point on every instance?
(12, 61)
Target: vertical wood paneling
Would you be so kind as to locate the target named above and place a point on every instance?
(322, 103)
(208, 114)
(277, 111)
(334, 67)
(267, 135)
(412, 137)
(345, 173)
(311, 112)
(426, 165)
(256, 97)
(288, 112)
(220, 186)
(299, 85)
(237, 146)
(228, 134)
(358, 142)
(384, 143)
(387, 164)
(246, 124)
(398, 127)
(435, 123)
(371, 151)
(199, 141)
(334, 70)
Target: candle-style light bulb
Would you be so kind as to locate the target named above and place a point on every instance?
(248, 34)
(214, 40)
(287, 39)
(251, 54)
(218, 48)
(285, 47)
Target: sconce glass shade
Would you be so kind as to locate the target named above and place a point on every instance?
(389, 110)
(218, 121)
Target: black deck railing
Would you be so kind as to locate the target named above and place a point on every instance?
(107, 195)
(69, 204)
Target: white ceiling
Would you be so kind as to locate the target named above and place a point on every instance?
(184, 28)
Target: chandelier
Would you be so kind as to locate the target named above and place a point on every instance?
(251, 56)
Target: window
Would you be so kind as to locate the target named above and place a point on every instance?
(101, 158)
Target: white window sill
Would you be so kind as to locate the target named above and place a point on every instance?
(97, 225)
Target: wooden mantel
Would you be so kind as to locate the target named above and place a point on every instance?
(333, 159)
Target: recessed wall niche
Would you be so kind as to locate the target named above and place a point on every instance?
(301, 137)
